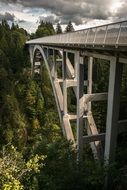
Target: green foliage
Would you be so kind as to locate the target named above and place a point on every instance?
(14, 170)
(69, 27)
(12, 41)
(58, 28)
(13, 121)
(100, 84)
(45, 29)
(18, 38)
(61, 172)
(100, 71)
(120, 181)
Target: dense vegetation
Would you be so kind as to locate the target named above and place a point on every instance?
(33, 153)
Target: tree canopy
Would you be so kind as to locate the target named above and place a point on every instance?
(58, 28)
(45, 29)
(69, 27)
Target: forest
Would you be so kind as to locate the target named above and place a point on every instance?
(34, 155)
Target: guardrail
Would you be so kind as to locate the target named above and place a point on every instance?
(110, 34)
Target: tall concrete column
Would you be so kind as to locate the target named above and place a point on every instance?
(113, 110)
(53, 71)
(64, 73)
(80, 103)
(89, 87)
(31, 59)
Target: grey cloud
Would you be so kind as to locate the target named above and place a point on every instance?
(75, 10)
(122, 11)
(22, 21)
(8, 1)
(99, 2)
(77, 20)
(88, 12)
(7, 16)
(51, 19)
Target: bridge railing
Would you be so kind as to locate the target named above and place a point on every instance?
(111, 34)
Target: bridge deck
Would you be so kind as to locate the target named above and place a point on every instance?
(110, 36)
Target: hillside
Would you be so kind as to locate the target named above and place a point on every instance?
(34, 154)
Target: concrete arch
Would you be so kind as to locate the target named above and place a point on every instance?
(40, 48)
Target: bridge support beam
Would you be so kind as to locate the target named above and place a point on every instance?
(64, 71)
(113, 110)
(31, 59)
(80, 103)
(112, 127)
(89, 87)
(53, 70)
(73, 76)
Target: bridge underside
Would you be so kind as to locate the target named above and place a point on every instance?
(76, 73)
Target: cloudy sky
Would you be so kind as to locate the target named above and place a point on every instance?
(83, 13)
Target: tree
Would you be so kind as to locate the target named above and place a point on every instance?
(14, 26)
(69, 27)
(5, 25)
(4, 44)
(15, 172)
(58, 28)
(45, 29)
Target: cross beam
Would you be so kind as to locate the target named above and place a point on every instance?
(72, 73)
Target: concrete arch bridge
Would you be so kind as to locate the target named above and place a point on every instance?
(107, 42)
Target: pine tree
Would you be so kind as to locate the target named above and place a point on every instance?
(45, 29)
(69, 27)
(4, 44)
(58, 28)
(13, 26)
(5, 25)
